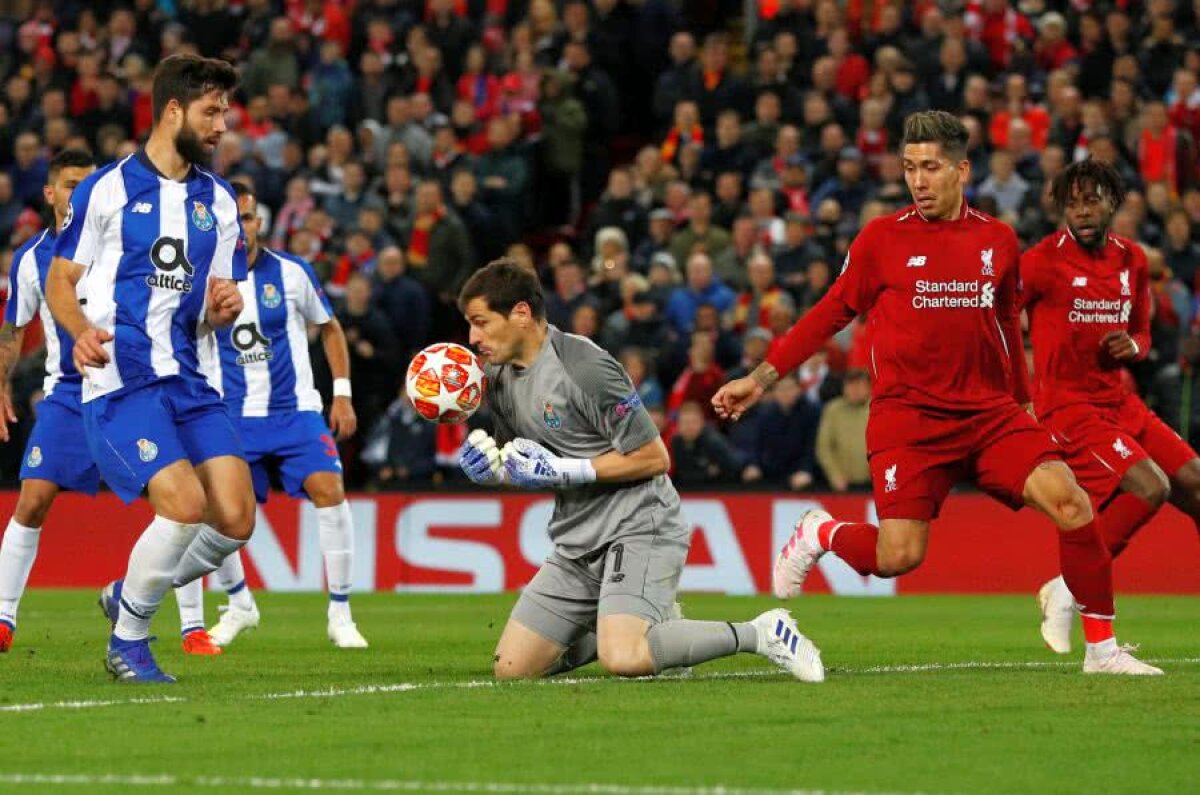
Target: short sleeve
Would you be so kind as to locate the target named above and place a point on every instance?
(312, 302)
(23, 291)
(229, 255)
(611, 402)
(83, 225)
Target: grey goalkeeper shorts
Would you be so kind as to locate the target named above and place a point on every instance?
(635, 574)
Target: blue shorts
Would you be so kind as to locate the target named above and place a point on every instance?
(57, 450)
(297, 443)
(134, 434)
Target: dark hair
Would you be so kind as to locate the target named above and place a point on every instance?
(1084, 175)
(939, 127)
(504, 284)
(69, 158)
(185, 78)
(241, 189)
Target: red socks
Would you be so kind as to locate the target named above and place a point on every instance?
(852, 542)
(1123, 517)
(1087, 569)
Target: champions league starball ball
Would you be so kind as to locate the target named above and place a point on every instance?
(445, 383)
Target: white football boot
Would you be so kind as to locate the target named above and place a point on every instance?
(345, 635)
(1058, 615)
(799, 555)
(233, 622)
(781, 642)
(1118, 661)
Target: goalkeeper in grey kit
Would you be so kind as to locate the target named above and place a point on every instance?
(567, 417)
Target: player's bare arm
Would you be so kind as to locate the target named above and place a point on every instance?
(342, 420)
(10, 348)
(648, 461)
(738, 396)
(64, 305)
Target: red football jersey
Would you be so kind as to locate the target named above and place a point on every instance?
(940, 299)
(1074, 298)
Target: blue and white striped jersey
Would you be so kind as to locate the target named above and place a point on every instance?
(261, 365)
(27, 297)
(149, 245)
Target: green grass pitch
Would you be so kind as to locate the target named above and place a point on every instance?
(902, 710)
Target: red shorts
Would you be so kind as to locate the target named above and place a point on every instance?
(918, 455)
(1102, 444)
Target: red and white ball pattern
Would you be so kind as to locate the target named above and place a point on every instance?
(445, 383)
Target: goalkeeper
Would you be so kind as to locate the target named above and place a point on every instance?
(567, 417)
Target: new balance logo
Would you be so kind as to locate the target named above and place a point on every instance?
(142, 208)
(1121, 449)
(1079, 281)
(916, 262)
(889, 478)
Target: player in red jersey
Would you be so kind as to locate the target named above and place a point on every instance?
(938, 285)
(1088, 298)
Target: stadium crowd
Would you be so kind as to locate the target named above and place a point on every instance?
(685, 177)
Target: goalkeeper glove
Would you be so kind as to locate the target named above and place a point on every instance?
(480, 459)
(532, 466)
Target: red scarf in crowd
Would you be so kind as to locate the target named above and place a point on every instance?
(670, 147)
(1156, 158)
(422, 231)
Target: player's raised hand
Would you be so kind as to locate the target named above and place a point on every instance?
(224, 302)
(89, 349)
(342, 419)
(735, 398)
(1119, 345)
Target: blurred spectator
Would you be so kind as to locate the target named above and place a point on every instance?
(487, 240)
(275, 64)
(374, 360)
(753, 307)
(849, 187)
(564, 124)
(10, 205)
(331, 86)
(636, 364)
(1180, 251)
(638, 322)
(400, 446)
(700, 231)
(700, 456)
(618, 207)
(842, 434)
(29, 169)
(1004, 184)
(701, 288)
(685, 131)
(783, 451)
(1165, 154)
(439, 253)
(503, 173)
(585, 321)
(569, 293)
(680, 80)
(754, 352)
(402, 300)
(700, 380)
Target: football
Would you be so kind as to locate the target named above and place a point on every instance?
(445, 383)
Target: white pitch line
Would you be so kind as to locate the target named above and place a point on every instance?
(393, 785)
(405, 687)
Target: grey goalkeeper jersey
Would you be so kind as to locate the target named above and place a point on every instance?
(577, 401)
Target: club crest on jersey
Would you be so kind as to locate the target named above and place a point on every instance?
(985, 257)
(201, 218)
(1122, 449)
(1125, 283)
(550, 416)
(270, 296)
(889, 478)
(35, 457)
(68, 217)
(147, 450)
